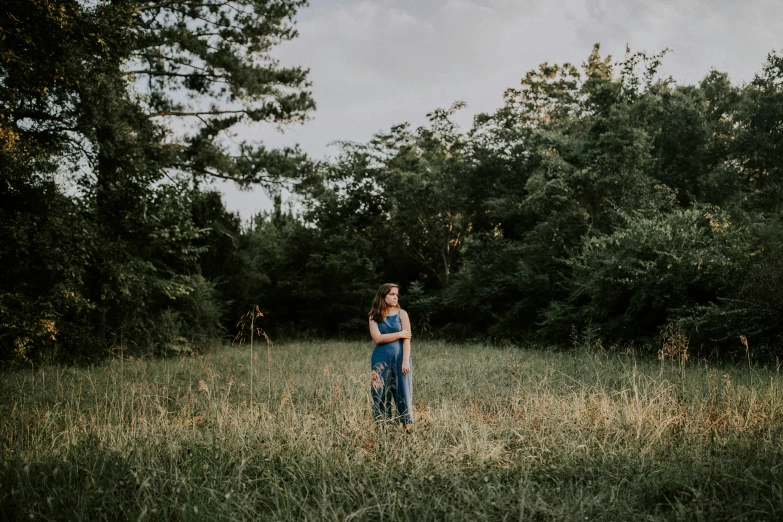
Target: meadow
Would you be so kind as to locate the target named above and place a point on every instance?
(501, 433)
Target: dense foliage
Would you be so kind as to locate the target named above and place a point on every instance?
(113, 112)
(601, 199)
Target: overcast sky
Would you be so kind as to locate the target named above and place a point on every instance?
(377, 63)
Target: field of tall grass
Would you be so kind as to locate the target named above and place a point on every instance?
(500, 434)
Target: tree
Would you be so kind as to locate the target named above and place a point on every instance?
(216, 55)
(91, 92)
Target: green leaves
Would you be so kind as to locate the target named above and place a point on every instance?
(209, 63)
(654, 264)
(93, 92)
(604, 196)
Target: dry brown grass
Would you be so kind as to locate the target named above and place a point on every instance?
(500, 434)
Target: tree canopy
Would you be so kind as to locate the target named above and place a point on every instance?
(599, 198)
(113, 114)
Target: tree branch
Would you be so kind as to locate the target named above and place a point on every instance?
(168, 3)
(219, 231)
(268, 180)
(176, 75)
(196, 113)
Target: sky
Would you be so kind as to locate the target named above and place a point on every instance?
(374, 64)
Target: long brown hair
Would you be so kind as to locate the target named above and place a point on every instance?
(379, 307)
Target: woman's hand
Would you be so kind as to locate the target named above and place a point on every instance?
(406, 367)
(405, 334)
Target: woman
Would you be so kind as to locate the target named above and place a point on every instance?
(392, 379)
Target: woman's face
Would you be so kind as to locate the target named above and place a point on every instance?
(392, 297)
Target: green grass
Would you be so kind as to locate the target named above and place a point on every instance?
(500, 434)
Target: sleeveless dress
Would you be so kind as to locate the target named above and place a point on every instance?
(388, 383)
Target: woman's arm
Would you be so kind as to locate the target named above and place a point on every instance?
(380, 338)
(406, 344)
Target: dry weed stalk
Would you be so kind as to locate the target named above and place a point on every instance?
(675, 348)
(675, 345)
(744, 341)
(250, 317)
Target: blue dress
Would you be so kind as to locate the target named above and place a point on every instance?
(388, 383)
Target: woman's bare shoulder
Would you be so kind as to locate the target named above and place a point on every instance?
(395, 312)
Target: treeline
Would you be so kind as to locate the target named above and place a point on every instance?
(600, 201)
